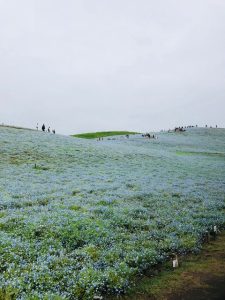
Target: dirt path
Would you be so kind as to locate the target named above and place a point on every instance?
(208, 280)
(200, 277)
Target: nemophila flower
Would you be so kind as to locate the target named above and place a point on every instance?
(80, 218)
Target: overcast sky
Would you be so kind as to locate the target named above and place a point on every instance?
(90, 65)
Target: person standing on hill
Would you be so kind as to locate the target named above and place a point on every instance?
(43, 127)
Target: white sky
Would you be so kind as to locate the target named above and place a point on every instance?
(90, 65)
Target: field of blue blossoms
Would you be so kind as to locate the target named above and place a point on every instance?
(82, 218)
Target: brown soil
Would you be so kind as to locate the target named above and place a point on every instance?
(211, 287)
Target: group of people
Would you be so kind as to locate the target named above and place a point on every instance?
(47, 130)
(179, 129)
(149, 136)
(183, 128)
(210, 126)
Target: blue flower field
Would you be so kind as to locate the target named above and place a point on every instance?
(82, 218)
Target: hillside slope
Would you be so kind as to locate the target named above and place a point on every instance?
(81, 218)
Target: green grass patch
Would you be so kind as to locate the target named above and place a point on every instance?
(75, 192)
(41, 168)
(2, 214)
(106, 203)
(95, 135)
(76, 208)
(191, 153)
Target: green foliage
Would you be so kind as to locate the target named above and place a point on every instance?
(77, 208)
(94, 135)
(204, 153)
(41, 168)
(43, 202)
(8, 294)
(188, 242)
(2, 214)
(75, 192)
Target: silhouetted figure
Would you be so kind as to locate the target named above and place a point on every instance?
(43, 127)
(206, 126)
(37, 126)
(53, 131)
(48, 129)
(216, 126)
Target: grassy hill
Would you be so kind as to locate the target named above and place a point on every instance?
(79, 218)
(15, 127)
(102, 134)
